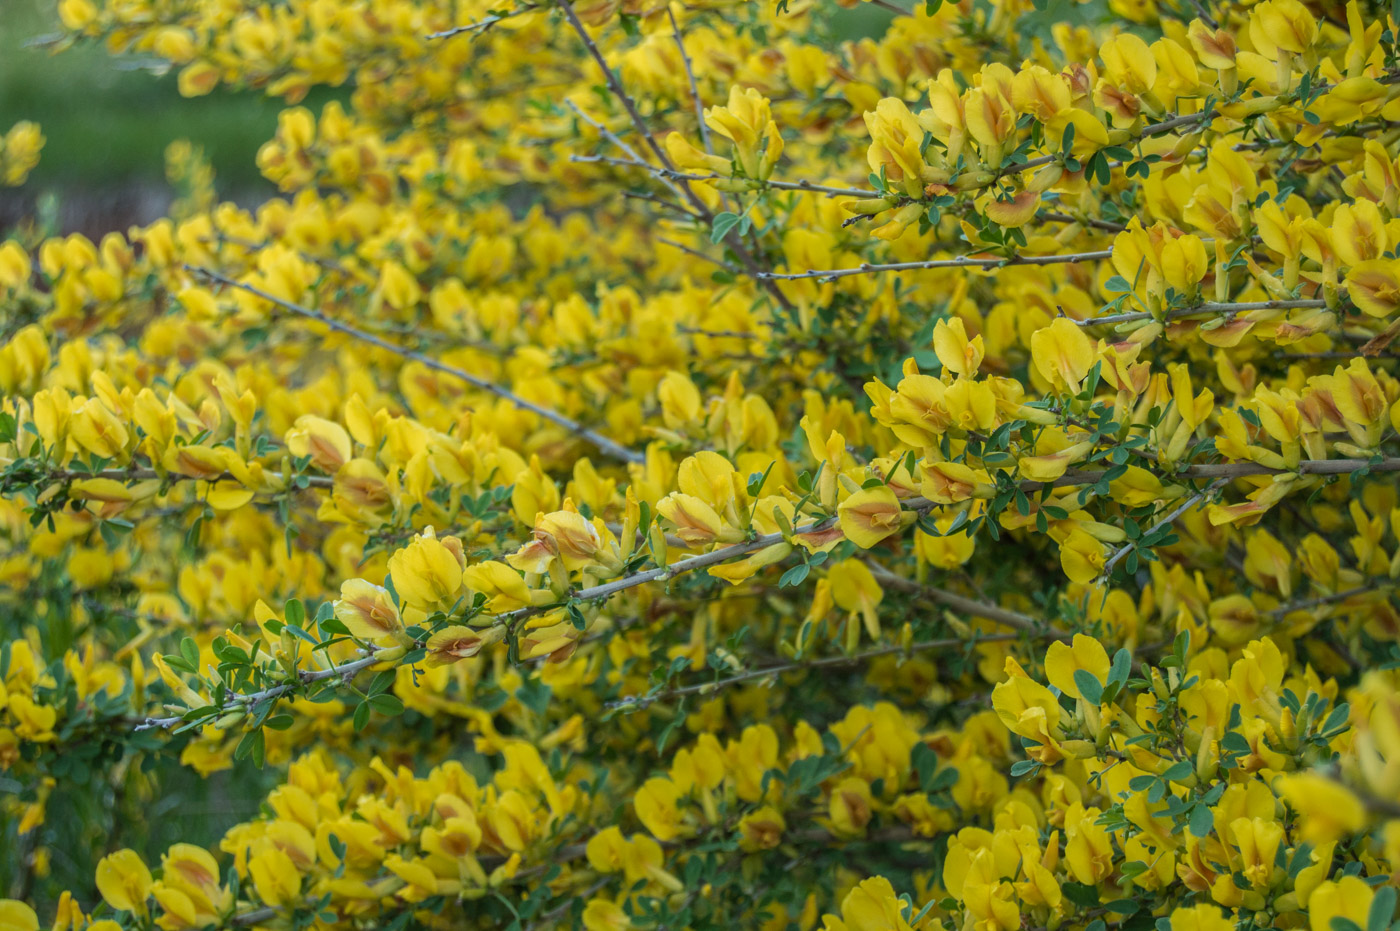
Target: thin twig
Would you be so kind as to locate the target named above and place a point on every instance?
(248, 699)
(480, 25)
(827, 662)
(1206, 307)
(1374, 586)
(617, 140)
(653, 199)
(736, 244)
(770, 183)
(614, 84)
(1167, 521)
(145, 475)
(990, 612)
(962, 261)
(694, 87)
(604, 445)
(700, 255)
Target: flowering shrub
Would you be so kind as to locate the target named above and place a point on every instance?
(671, 467)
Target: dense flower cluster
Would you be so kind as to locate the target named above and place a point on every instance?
(664, 466)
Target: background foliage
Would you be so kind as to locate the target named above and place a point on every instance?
(704, 465)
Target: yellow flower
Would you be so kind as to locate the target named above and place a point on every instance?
(959, 355)
(1016, 210)
(1088, 847)
(1049, 468)
(1282, 26)
(367, 611)
(919, 415)
(873, 906)
(1063, 659)
(656, 805)
(275, 877)
(952, 482)
(98, 430)
(1204, 917)
(33, 721)
(1349, 897)
(1062, 354)
(988, 898)
(738, 571)
(695, 521)
(325, 442)
(761, 830)
(684, 155)
(896, 144)
(426, 572)
(505, 587)
(602, 915)
(747, 122)
(870, 515)
(947, 551)
(850, 807)
(16, 916)
(77, 15)
(971, 405)
(1082, 557)
(1374, 286)
(124, 881)
(1029, 710)
(1258, 840)
(1128, 63)
(1327, 810)
(457, 642)
(854, 589)
(680, 401)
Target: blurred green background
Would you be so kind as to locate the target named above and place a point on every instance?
(108, 121)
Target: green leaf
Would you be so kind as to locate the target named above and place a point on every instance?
(1235, 742)
(190, 651)
(1121, 668)
(1089, 686)
(1382, 909)
(1337, 718)
(295, 612)
(250, 746)
(387, 705)
(925, 762)
(794, 576)
(361, 718)
(535, 695)
(722, 225)
(1202, 820)
(177, 662)
(381, 683)
(1085, 896)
